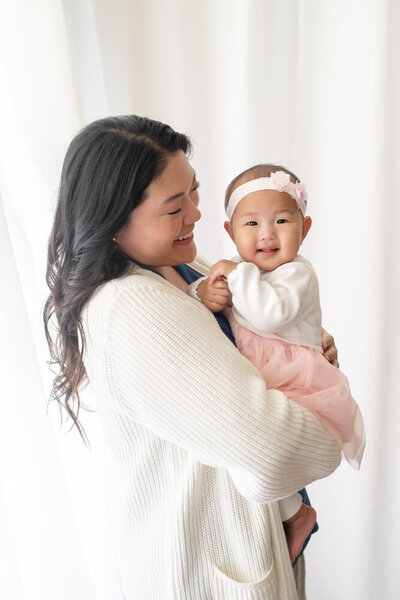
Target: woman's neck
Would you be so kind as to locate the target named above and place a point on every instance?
(173, 277)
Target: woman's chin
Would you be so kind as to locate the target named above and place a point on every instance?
(187, 252)
(192, 254)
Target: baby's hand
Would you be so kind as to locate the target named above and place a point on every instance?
(222, 269)
(215, 296)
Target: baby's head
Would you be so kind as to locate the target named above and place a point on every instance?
(266, 206)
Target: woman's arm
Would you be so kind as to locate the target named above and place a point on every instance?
(172, 370)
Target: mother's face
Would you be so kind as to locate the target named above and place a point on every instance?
(159, 232)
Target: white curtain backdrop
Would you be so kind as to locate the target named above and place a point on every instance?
(311, 84)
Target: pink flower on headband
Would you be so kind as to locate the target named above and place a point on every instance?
(282, 183)
(300, 191)
(280, 179)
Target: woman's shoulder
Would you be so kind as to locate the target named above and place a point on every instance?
(142, 294)
(135, 282)
(140, 286)
(140, 280)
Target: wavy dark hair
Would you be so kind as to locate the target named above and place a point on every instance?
(107, 169)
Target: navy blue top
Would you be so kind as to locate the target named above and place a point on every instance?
(190, 275)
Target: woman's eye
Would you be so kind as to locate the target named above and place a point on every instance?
(279, 221)
(251, 223)
(196, 187)
(175, 211)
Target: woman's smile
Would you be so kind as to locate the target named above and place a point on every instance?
(184, 239)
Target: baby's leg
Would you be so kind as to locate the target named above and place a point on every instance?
(298, 522)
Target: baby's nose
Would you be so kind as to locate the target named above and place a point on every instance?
(268, 234)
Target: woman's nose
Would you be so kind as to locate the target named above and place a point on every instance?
(192, 213)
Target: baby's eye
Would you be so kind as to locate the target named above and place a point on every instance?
(280, 221)
(251, 223)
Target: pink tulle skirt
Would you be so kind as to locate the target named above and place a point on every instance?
(306, 377)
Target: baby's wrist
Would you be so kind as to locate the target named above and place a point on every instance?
(194, 287)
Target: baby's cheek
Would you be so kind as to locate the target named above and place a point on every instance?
(247, 249)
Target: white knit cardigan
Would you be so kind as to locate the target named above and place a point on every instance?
(198, 450)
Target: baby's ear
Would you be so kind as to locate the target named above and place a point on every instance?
(228, 228)
(306, 227)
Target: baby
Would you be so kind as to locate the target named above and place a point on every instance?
(276, 316)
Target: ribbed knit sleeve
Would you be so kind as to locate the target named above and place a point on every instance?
(170, 368)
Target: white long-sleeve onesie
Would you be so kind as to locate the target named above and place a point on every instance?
(282, 304)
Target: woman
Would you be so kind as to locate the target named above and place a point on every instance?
(199, 450)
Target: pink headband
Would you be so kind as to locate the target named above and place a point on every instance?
(279, 181)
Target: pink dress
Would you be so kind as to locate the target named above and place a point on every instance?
(306, 377)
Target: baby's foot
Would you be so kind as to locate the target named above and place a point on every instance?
(298, 528)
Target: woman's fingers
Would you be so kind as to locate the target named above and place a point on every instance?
(220, 283)
(332, 358)
(329, 348)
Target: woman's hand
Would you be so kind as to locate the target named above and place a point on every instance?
(329, 349)
(215, 296)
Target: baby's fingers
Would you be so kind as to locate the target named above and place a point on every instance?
(220, 300)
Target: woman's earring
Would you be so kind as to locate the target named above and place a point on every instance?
(114, 240)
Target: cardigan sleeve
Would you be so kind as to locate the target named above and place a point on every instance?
(272, 305)
(171, 369)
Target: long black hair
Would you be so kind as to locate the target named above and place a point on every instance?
(107, 168)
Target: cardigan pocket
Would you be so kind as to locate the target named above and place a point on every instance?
(225, 588)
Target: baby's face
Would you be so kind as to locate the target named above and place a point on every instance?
(268, 228)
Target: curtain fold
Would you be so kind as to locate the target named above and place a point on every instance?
(312, 85)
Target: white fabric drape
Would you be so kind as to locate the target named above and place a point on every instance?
(311, 84)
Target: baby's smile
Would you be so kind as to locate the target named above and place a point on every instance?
(268, 251)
